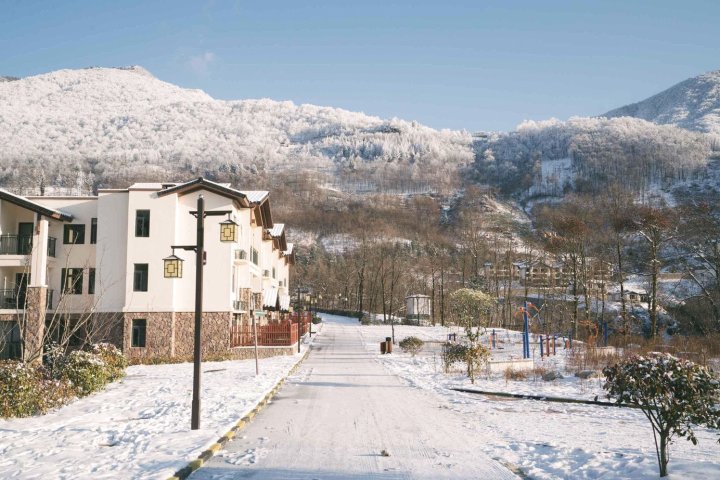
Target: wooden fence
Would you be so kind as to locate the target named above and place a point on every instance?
(271, 335)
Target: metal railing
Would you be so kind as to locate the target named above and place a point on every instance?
(22, 245)
(15, 244)
(12, 298)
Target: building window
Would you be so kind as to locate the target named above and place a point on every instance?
(93, 231)
(274, 273)
(139, 328)
(74, 234)
(91, 281)
(140, 277)
(142, 223)
(254, 256)
(71, 281)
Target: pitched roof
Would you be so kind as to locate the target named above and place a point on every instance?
(256, 196)
(270, 298)
(33, 206)
(290, 253)
(277, 233)
(256, 199)
(201, 183)
(277, 230)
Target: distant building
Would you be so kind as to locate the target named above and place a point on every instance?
(634, 295)
(418, 308)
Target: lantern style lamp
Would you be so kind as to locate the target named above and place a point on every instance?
(172, 266)
(228, 230)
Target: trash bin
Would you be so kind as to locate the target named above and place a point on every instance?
(383, 347)
(388, 342)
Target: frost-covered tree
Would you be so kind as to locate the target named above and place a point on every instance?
(673, 394)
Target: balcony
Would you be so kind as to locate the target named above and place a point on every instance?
(14, 299)
(22, 245)
(240, 306)
(241, 254)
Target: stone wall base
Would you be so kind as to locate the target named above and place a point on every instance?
(172, 334)
(244, 353)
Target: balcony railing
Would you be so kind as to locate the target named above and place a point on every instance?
(15, 244)
(239, 305)
(22, 245)
(15, 299)
(240, 255)
(12, 298)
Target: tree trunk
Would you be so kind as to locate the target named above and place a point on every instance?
(653, 288)
(664, 454)
(442, 296)
(621, 280)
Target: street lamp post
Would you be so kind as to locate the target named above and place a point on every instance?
(173, 269)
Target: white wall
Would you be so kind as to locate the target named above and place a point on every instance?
(118, 250)
(172, 224)
(83, 209)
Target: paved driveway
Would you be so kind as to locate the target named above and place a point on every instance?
(344, 416)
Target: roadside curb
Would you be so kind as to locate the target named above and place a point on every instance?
(545, 398)
(186, 471)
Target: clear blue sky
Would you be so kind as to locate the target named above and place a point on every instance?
(478, 65)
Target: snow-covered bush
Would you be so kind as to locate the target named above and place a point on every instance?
(411, 345)
(29, 389)
(673, 394)
(114, 360)
(25, 390)
(86, 371)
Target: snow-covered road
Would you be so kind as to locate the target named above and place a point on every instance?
(337, 415)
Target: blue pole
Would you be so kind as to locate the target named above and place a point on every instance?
(494, 337)
(541, 347)
(605, 332)
(526, 332)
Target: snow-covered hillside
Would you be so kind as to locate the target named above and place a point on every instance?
(595, 152)
(693, 104)
(80, 129)
(127, 119)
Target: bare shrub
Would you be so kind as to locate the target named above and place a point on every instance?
(512, 374)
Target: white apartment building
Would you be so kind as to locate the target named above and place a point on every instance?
(97, 263)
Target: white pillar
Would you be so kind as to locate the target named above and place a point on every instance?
(39, 258)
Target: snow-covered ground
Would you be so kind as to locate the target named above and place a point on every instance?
(138, 427)
(547, 440)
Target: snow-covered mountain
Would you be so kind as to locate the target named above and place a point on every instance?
(107, 126)
(127, 120)
(693, 104)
